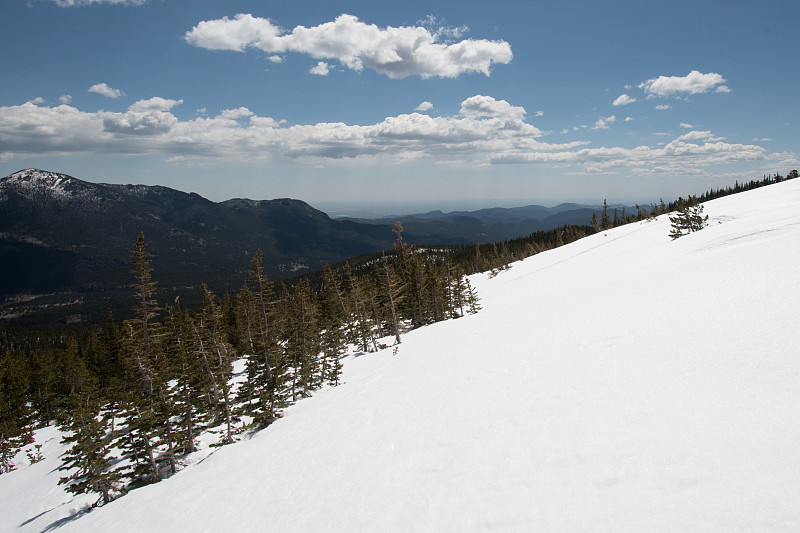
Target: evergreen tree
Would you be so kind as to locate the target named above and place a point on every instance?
(393, 293)
(688, 218)
(89, 458)
(16, 421)
(332, 329)
(219, 368)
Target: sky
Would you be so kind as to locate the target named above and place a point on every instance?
(437, 103)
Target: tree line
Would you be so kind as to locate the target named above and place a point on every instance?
(134, 396)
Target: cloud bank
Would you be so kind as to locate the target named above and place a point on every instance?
(395, 52)
(485, 131)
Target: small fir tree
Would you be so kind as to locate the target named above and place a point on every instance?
(688, 218)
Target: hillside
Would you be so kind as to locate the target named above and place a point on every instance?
(66, 244)
(624, 382)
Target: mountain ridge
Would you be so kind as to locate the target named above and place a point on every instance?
(66, 243)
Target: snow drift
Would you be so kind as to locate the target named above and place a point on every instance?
(624, 382)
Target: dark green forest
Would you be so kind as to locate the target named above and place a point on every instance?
(134, 393)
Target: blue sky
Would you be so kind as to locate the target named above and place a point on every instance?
(450, 104)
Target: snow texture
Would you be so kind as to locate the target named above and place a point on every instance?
(625, 382)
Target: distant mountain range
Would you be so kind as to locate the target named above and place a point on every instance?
(65, 244)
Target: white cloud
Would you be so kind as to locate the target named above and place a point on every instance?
(437, 27)
(105, 90)
(145, 117)
(36, 101)
(693, 83)
(65, 98)
(424, 106)
(687, 126)
(603, 122)
(485, 131)
(663, 107)
(628, 119)
(74, 3)
(699, 136)
(154, 104)
(539, 114)
(320, 69)
(396, 52)
(623, 99)
(678, 157)
(762, 140)
(486, 106)
(275, 58)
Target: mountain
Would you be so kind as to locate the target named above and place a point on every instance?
(624, 382)
(493, 224)
(65, 244)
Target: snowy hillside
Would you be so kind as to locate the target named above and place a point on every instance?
(625, 382)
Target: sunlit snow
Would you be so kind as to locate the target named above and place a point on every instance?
(625, 382)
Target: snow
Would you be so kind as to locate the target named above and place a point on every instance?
(40, 180)
(624, 382)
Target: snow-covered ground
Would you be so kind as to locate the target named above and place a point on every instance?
(625, 382)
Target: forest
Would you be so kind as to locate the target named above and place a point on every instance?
(134, 395)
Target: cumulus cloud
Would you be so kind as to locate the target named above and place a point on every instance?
(486, 106)
(623, 99)
(663, 107)
(699, 136)
(65, 98)
(686, 126)
(36, 101)
(320, 69)
(693, 83)
(396, 52)
(681, 156)
(145, 117)
(603, 122)
(105, 90)
(485, 131)
(424, 106)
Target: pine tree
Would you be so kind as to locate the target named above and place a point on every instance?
(89, 458)
(473, 301)
(144, 417)
(332, 329)
(605, 222)
(146, 309)
(688, 218)
(393, 293)
(220, 366)
(16, 420)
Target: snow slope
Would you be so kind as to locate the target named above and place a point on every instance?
(625, 382)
